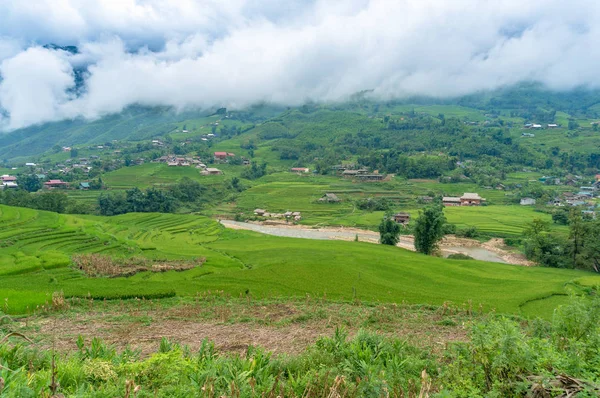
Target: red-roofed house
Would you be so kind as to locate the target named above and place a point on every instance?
(55, 184)
(7, 178)
(223, 155)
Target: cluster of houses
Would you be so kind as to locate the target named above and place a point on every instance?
(361, 174)
(467, 199)
(8, 181)
(288, 215)
(177, 161)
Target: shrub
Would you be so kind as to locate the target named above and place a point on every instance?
(449, 229)
(459, 256)
(470, 232)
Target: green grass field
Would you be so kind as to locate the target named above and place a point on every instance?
(36, 250)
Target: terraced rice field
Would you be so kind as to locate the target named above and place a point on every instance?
(36, 246)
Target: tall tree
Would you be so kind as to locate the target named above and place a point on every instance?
(429, 229)
(29, 182)
(389, 232)
(577, 232)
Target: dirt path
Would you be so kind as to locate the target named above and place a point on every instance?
(494, 250)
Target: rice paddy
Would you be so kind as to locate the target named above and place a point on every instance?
(36, 249)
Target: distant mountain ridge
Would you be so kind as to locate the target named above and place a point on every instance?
(529, 101)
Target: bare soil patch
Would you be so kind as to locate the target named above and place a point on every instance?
(282, 328)
(96, 265)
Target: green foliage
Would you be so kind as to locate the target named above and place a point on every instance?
(429, 229)
(55, 201)
(29, 182)
(255, 171)
(150, 200)
(373, 204)
(470, 232)
(504, 359)
(580, 249)
(459, 256)
(501, 357)
(560, 217)
(389, 232)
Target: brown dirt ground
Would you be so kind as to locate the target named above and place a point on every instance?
(233, 328)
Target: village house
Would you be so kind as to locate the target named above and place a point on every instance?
(552, 126)
(299, 170)
(471, 199)
(451, 201)
(7, 185)
(221, 156)
(29, 164)
(351, 173)
(425, 199)
(259, 212)
(527, 202)
(55, 184)
(8, 178)
(330, 198)
(402, 218)
(84, 185)
(370, 177)
(211, 171)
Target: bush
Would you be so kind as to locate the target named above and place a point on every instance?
(470, 232)
(513, 241)
(460, 256)
(449, 229)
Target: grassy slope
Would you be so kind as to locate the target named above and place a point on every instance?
(37, 246)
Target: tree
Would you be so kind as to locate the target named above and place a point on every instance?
(560, 217)
(577, 232)
(573, 124)
(113, 204)
(51, 201)
(429, 229)
(389, 232)
(30, 182)
(74, 153)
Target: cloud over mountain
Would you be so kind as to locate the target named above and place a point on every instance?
(204, 53)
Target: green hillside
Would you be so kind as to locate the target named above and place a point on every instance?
(37, 245)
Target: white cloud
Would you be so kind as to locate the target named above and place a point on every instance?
(232, 53)
(34, 86)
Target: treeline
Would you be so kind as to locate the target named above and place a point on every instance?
(151, 199)
(580, 249)
(187, 195)
(55, 201)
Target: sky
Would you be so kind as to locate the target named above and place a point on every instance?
(233, 53)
